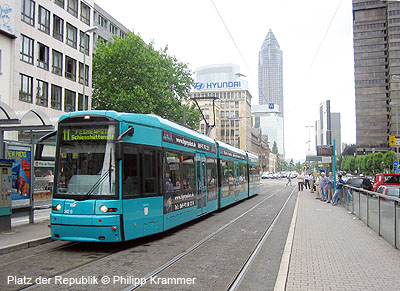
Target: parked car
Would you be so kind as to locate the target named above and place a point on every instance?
(264, 175)
(359, 182)
(386, 179)
(389, 190)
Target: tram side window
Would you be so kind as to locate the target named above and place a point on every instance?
(212, 172)
(150, 172)
(130, 185)
(172, 172)
(188, 171)
(227, 171)
(242, 173)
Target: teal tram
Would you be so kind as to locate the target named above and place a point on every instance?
(121, 176)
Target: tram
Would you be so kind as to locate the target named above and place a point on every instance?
(121, 176)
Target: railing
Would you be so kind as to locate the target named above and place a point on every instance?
(377, 211)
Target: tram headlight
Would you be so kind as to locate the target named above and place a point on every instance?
(57, 207)
(103, 208)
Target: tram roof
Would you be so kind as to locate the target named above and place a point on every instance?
(143, 119)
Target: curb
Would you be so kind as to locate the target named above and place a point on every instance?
(280, 284)
(25, 245)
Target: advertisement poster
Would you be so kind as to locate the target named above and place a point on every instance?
(21, 172)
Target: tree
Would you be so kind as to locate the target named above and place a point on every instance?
(131, 76)
(349, 150)
(275, 148)
(388, 160)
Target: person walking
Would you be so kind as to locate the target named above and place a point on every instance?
(322, 185)
(300, 183)
(317, 187)
(330, 187)
(339, 187)
(311, 181)
(289, 179)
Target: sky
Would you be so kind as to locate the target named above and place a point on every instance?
(316, 38)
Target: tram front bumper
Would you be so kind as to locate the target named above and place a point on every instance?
(87, 228)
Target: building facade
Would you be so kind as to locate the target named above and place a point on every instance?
(224, 84)
(376, 29)
(270, 72)
(269, 119)
(328, 127)
(50, 61)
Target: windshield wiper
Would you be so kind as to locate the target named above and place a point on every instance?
(98, 182)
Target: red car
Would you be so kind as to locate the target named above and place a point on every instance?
(386, 179)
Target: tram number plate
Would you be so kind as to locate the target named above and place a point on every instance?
(184, 205)
(68, 211)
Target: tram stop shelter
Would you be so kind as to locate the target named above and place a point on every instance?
(30, 126)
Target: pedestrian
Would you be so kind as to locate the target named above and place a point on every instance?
(339, 187)
(289, 180)
(330, 186)
(306, 182)
(317, 187)
(322, 185)
(311, 181)
(300, 183)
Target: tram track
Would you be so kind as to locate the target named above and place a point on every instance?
(200, 243)
(95, 257)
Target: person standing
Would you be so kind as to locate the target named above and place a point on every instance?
(339, 187)
(306, 182)
(322, 185)
(300, 183)
(317, 187)
(311, 181)
(330, 187)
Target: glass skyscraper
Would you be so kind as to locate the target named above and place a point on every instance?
(270, 85)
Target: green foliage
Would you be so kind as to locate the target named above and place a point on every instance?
(369, 164)
(131, 76)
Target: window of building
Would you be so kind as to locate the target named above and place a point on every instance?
(44, 20)
(80, 79)
(58, 28)
(71, 36)
(57, 63)
(84, 42)
(85, 13)
(101, 40)
(113, 29)
(28, 12)
(121, 34)
(102, 21)
(42, 93)
(43, 56)
(69, 102)
(80, 102)
(56, 97)
(72, 7)
(59, 3)
(26, 49)
(70, 68)
(26, 88)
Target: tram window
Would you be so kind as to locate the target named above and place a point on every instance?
(212, 172)
(189, 171)
(227, 171)
(242, 173)
(130, 173)
(172, 172)
(150, 171)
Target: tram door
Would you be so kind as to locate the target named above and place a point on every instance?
(201, 173)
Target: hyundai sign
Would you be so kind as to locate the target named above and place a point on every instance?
(217, 85)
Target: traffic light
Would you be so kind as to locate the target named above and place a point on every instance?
(365, 151)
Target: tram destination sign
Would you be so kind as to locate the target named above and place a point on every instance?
(231, 154)
(81, 133)
(187, 142)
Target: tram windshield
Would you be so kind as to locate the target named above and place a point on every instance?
(86, 164)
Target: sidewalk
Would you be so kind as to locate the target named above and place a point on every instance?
(24, 236)
(334, 250)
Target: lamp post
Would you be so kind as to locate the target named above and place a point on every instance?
(397, 123)
(90, 29)
(309, 136)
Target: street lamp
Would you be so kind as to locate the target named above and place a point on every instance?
(397, 123)
(90, 29)
(309, 136)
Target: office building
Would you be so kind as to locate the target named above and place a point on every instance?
(270, 82)
(328, 127)
(46, 54)
(376, 29)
